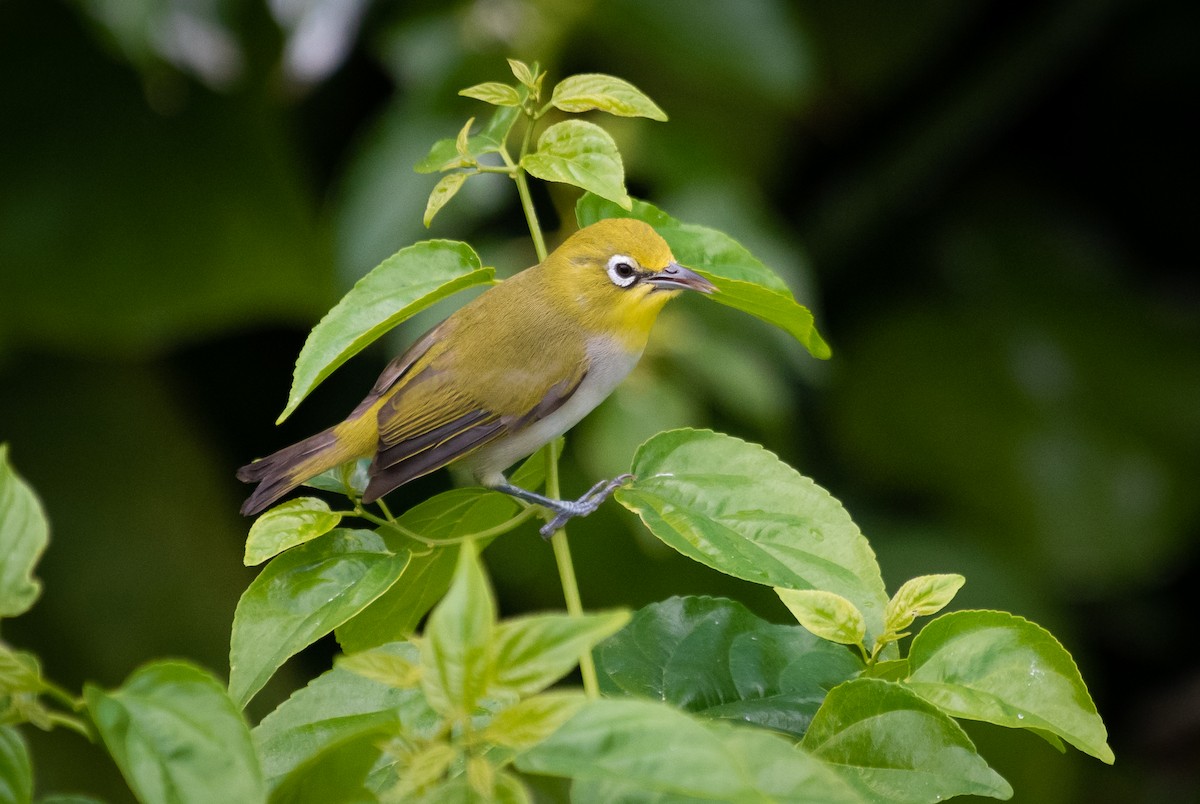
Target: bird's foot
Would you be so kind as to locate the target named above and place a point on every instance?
(566, 510)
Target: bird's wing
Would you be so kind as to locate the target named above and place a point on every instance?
(432, 421)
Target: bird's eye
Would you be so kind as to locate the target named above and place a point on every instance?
(622, 270)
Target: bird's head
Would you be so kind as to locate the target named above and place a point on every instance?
(617, 274)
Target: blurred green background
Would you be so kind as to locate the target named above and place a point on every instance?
(991, 207)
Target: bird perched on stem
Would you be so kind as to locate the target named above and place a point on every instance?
(505, 374)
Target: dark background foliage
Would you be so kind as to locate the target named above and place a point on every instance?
(990, 206)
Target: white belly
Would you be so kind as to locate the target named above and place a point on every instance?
(608, 364)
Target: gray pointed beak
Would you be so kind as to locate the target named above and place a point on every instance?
(676, 277)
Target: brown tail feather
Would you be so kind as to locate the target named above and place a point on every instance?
(282, 471)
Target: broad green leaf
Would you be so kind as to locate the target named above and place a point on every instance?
(528, 722)
(336, 706)
(892, 670)
(287, 525)
(652, 750)
(457, 644)
(920, 597)
(450, 515)
(301, 596)
(493, 92)
(737, 508)
(444, 154)
(349, 479)
(68, 798)
(581, 154)
(442, 192)
(896, 747)
(742, 281)
(336, 774)
(714, 658)
(19, 671)
(534, 651)
(177, 737)
(510, 790)
(581, 93)
(23, 536)
(1000, 668)
(383, 666)
(825, 614)
(16, 771)
(399, 287)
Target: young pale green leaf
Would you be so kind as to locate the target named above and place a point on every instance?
(581, 93)
(896, 747)
(456, 652)
(920, 597)
(528, 722)
(493, 92)
(534, 651)
(444, 154)
(399, 287)
(581, 154)
(892, 670)
(23, 537)
(303, 595)
(16, 771)
(460, 142)
(443, 191)
(825, 614)
(287, 525)
(177, 737)
(714, 658)
(449, 516)
(334, 707)
(742, 281)
(652, 751)
(737, 508)
(19, 672)
(999, 668)
(523, 72)
(384, 666)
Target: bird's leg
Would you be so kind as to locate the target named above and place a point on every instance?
(565, 510)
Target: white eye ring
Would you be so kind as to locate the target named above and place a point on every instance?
(622, 270)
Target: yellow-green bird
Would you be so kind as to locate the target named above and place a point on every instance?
(504, 375)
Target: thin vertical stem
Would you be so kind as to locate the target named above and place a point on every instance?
(535, 229)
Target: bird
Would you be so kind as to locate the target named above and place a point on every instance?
(504, 375)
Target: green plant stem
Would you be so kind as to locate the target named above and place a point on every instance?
(566, 574)
(518, 175)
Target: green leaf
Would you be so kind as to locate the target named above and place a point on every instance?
(456, 649)
(442, 192)
(528, 722)
(920, 597)
(713, 657)
(999, 668)
(581, 93)
(493, 92)
(23, 537)
(742, 281)
(19, 671)
(399, 287)
(301, 596)
(892, 670)
(652, 751)
(16, 771)
(177, 737)
(384, 666)
(349, 479)
(336, 774)
(737, 508)
(336, 706)
(444, 154)
(450, 515)
(895, 747)
(523, 72)
(825, 614)
(581, 154)
(534, 651)
(287, 525)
